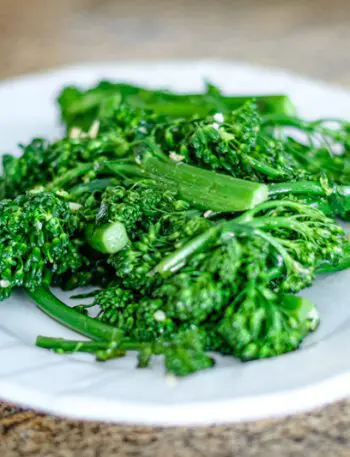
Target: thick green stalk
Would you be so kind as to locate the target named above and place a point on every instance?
(107, 238)
(204, 188)
(85, 325)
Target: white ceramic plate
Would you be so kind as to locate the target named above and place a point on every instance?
(76, 386)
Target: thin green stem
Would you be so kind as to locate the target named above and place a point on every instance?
(297, 187)
(273, 204)
(69, 176)
(92, 186)
(265, 169)
(177, 259)
(85, 325)
(60, 344)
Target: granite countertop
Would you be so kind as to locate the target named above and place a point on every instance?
(310, 37)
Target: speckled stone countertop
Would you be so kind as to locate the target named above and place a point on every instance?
(310, 37)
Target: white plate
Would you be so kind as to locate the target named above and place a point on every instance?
(76, 386)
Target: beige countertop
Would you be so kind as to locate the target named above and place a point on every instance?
(310, 37)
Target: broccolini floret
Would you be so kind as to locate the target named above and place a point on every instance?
(36, 241)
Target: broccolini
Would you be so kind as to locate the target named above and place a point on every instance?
(196, 218)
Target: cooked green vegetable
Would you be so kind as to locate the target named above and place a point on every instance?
(36, 240)
(196, 218)
(232, 280)
(80, 108)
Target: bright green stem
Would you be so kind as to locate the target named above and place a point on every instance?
(285, 120)
(92, 186)
(85, 325)
(107, 238)
(297, 187)
(267, 170)
(115, 168)
(206, 189)
(123, 169)
(69, 176)
(60, 344)
(338, 196)
(177, 259)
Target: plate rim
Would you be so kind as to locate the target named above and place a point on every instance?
(246, 409)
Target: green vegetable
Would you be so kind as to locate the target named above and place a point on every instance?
(183, 355)
(244, 267)
(36, 241)
(268, 325)
(342, 264)
(196, 218)
(203, 188)
(107, 238)
(69, 317)
(80, 108)
(319, 151)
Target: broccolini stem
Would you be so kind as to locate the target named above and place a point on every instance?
(265, 169)
(115, 168)
(338, 196)
(107, 238)
(203, 188)
(177, 259)
(92, 186)
(69, 176)
(62, 345)
(123, 169)
(310, 188)
(297, 187)
(85, 325)
(285, 120)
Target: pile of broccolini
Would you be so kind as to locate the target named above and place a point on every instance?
(196, 219)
